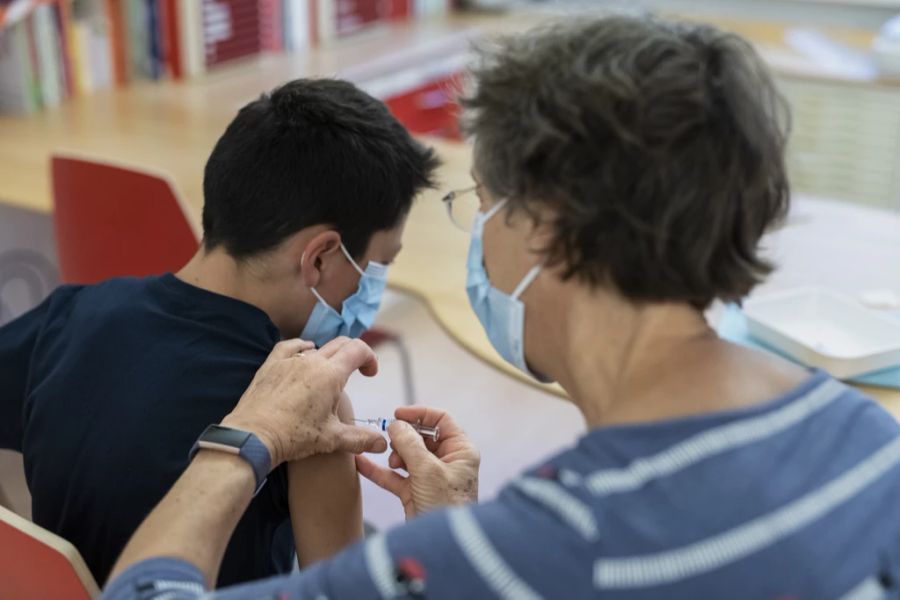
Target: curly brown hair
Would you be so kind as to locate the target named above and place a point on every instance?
(658, 145)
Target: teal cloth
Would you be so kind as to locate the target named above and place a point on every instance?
(733, 327)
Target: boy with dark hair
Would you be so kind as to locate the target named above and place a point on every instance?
(105, 388)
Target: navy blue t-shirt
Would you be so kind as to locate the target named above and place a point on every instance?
(105, 388)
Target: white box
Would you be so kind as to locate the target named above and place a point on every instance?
(825, 329)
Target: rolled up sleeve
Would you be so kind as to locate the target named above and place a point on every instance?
(172, 578)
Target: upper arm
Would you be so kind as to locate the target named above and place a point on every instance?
(325, 501)
(17, 341)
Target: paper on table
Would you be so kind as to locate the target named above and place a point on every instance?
(829, 57)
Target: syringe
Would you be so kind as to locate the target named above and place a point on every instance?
(382, 423)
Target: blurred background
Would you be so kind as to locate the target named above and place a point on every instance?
(152, 83)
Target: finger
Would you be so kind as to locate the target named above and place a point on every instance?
(427, 415)
(357, 440)
(308, 346)
(408, 444)
(345, 409)
(383, 478)
(395, 462)
(332, 346)
(353, 356)
(432, 417)
(288, 348)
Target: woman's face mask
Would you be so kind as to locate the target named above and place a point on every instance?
(502, 315)
(358, 310)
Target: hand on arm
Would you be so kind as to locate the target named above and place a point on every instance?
(325, 500)
(441, 473)
(291, 406)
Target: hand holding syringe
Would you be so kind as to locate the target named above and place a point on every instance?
(438, 473)
(382, 423)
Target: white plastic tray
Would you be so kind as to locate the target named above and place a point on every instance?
(825, 329)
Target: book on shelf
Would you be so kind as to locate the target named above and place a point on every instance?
(296, 19)
(231, 30)
(49, 55)
(271, 26)
(16, 72)
(337, 19)
(171, 39)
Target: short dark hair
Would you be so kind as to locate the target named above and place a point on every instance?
(312, 151)
(658, 145)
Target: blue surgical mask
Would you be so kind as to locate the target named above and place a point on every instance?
(358, 311)
(502, 315)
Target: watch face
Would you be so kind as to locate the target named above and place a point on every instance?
(224, 436)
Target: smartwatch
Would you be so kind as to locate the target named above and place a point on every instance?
(239, 442)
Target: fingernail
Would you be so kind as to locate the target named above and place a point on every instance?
(396, 424)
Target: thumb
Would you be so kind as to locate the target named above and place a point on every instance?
(357, 440)
(408, 444)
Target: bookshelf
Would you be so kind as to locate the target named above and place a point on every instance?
(53, 50)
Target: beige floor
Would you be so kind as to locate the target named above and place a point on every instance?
(13, 492)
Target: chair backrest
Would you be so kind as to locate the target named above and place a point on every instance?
(35, 563)
(112, 220)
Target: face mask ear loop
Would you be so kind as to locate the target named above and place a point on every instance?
(526, 281)
(352, 262)
(346, 253)
(313, 289)
(495, 209)
(322, 300)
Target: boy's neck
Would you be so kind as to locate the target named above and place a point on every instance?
(216, 271)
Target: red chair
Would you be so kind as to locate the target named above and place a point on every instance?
(36, 564)
(113, 220)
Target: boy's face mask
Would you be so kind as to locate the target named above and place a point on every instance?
(357, 312)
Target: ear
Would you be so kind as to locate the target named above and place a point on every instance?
(539, 228)
(318, 251)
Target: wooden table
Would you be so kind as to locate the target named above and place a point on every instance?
(172, 127)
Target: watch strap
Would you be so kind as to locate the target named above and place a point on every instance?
(251, 450)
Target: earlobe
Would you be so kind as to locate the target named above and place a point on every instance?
(309, 271)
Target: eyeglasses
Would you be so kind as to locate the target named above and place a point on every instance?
(462, 207)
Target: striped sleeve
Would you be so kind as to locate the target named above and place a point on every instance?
(478, 551)
(444, 554)
(155, 578)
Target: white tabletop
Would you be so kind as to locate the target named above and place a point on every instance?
(837, 245)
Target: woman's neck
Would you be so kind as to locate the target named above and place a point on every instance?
(627, 363)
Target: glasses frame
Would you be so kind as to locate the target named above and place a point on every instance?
(448, 200)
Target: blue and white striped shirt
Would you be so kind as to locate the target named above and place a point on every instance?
(795, 498)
